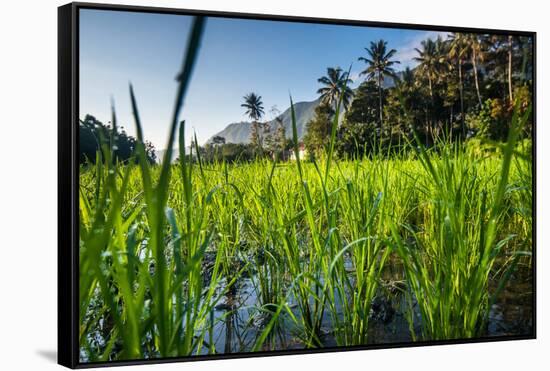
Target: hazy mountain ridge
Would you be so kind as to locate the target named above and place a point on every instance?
(239, 132)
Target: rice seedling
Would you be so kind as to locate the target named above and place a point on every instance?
(144, 262)
(449, 262)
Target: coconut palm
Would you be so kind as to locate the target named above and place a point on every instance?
(254, 106)
(458, 50)
(510, 53)
(407, 78)
(255, 110)
(379, 65)
(429, 62)
(430, 58)
(335, 85)
(502, 47)
(475, 49)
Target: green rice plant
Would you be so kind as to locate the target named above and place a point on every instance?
(263, 208)
(106, 256)
(143, 264)
(520, 194)
(363, 214)
(226, 207)
(168, 322)
(448, 264)
(326, 284)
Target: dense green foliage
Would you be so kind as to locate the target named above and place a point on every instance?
(318, 130)
(92, 132)
(446, 95)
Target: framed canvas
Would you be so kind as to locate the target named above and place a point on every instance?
(237, 185)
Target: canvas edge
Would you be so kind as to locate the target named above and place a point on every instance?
(67, 258)
(68, 179)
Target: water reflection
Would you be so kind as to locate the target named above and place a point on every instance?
(239, 321)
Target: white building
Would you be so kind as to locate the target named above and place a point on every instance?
(302, 152)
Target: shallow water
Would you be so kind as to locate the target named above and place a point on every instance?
(238, 323)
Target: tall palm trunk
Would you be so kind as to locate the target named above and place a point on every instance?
(431, 117)
(429, 129)
(510, 94)
(474, 64)
(255, 137)
(461, 92)
(380, 100)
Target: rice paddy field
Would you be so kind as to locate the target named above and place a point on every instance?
(192, 258)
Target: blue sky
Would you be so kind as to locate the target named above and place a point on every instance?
(272, 58)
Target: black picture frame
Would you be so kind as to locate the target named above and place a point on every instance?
(68, 172)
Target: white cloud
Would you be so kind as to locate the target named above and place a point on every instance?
(406, 53)
(354, 75)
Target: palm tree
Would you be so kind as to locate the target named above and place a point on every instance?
(254, 106)
(475, 49)
(510, 52)
(407, 78)
(335, 85)
(255, 110)
(379, 65)
(458, 49)
(428, 59)
(404, 97)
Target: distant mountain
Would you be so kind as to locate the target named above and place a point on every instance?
(175, 154)
(239, 132)
(388, 81)
(160, 154)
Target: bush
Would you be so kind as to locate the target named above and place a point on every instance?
(92, 132)
(355, 139)
(493, 120)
